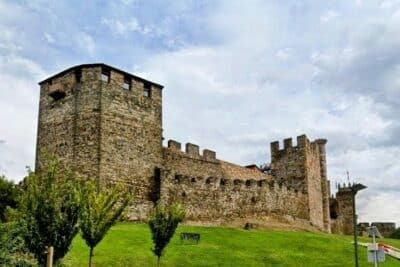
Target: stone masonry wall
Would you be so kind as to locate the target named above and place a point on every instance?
(303, 167)
(131, 138)
(341, 206)
(102, 130)
(207, 194)
(68, 127)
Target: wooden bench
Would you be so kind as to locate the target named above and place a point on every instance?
(190, 236)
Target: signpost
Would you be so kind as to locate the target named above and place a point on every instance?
(376, 254)
(354, 189)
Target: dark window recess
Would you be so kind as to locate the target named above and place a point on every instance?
(193, 180)
(57, 95)
(127, 83)
(105, 75)
(183, 194)
(147, 89)
(155, 192)
(178, 178)
(78, 75)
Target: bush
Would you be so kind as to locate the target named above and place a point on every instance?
(12, 248)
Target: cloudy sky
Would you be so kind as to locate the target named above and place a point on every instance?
(237, 75)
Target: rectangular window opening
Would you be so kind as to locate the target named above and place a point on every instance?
(147, 89)
(78, 75)
(127, 83)
(105, 75)
(57, 95)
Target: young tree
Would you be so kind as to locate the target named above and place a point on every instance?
(8, 196)
(101, 209)
(163, 223)
(49, 210)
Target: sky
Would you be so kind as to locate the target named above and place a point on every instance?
(237, 75)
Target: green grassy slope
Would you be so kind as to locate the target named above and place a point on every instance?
(129, 245)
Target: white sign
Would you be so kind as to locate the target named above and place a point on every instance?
(380, 254)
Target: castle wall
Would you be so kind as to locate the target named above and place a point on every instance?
(102, 130)
(68, 127)
(314, 188)
(342, 207)
(304, 168)
(131, 138)
(107, 124)
(207, 194)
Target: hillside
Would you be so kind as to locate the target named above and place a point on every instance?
(129, 245)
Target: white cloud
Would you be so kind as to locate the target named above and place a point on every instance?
(328, 16)
(86, 43)
(18, 101)
(49, 38)
(124, 27)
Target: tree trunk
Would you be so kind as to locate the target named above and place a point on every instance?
(90, 257)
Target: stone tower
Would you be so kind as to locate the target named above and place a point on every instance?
(304, 167)
(105, 123)
(341, 210)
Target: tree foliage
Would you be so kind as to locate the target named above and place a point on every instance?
(12, 248)
(8, 196)
(101, 209)
(163, 223)
(396, 234)
(49, 210)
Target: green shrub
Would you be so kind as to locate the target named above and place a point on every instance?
(12, 248)
(163, 223)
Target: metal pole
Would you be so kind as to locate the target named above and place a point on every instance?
(375, 252)
(50, 252)
(355, 228)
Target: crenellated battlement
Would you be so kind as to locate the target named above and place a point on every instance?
(192, 151)
(344, 189)
(302, 143)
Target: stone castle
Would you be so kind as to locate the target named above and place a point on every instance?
(107, 123)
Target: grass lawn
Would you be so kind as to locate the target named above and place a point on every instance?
(129, 244)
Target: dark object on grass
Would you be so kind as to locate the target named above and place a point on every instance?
(190, 236)
(248, 226)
